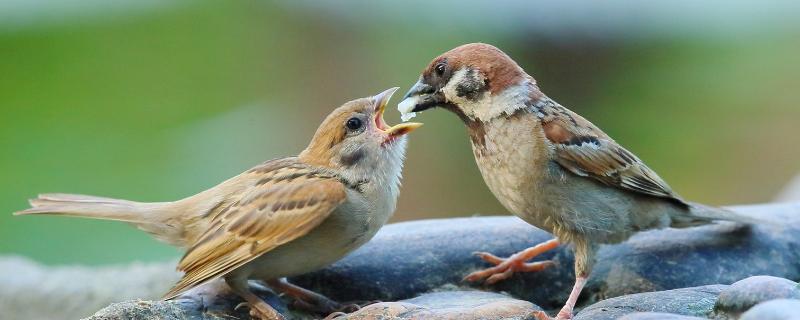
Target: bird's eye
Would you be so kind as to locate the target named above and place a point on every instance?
(440, 69)
(353, 124)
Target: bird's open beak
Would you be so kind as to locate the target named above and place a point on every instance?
(381, 100)
(420, 97)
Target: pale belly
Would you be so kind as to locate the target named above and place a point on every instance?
(512, 167)
(346, 229)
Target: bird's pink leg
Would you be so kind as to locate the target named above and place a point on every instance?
(566, 311)
(505, 268)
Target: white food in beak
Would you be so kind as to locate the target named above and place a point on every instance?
(405, 108)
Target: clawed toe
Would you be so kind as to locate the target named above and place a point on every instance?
(241, 305)
(541, 315)
(505, 269)
(490, 258)
(500, 276)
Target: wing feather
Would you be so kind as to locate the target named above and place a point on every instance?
(277, 209)
(585, 150)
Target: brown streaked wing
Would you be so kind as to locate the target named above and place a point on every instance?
(585, 150)
(272, 213)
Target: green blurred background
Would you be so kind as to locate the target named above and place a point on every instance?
(153, 101)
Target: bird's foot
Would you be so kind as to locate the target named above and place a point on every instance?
(541, 315)
(506, 267)
(319, 305)
(260, 312)
(325, 306)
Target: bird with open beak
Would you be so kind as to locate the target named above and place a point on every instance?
(282, 218)
(547, 164)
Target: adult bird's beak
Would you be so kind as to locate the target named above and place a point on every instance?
(420, 97)
(381, 100)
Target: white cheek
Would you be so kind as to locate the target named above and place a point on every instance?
(470, 107)
(449, 90)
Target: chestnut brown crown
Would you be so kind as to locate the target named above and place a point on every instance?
(494, 65)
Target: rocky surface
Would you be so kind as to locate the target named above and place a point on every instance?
(406, 260)
(211, 302)
(656, 316)
(455, 305)
(744, 294)
(695, 301)
(780, 309)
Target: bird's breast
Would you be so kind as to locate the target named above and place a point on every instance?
(512, 158)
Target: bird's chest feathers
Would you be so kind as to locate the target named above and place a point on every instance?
(511, 154)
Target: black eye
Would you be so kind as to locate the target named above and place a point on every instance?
(440, 69)
(353, 124)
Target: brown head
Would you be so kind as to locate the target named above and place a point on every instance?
(472, 80)
(355, 139)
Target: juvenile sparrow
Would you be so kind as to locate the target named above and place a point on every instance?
(547, 164)
(282, 218)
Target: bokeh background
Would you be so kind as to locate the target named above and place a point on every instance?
(152, 101)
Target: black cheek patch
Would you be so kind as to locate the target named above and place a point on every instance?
(353, 157)
(471, 87)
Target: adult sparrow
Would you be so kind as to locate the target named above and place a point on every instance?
(547, 164)
(282, 218)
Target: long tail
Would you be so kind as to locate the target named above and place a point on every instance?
(699, 214)
(149, 217)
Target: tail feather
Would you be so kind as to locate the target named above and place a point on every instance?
(709, 213)
(88, 207)
(155, 218)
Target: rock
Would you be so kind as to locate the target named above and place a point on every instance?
(211, 302)
(656, 316)
(696, 301)
(779, 309)
(744, 294)
(412, 258)
(409, 258)
(455, 305)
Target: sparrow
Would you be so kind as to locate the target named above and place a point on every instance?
(547, 164)
(281, 218)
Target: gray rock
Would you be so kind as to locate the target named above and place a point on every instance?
(455, 305)
(406, 259)
(744, 294)
(779, 309)
(656, 316)
(696, 301)
(210, 302)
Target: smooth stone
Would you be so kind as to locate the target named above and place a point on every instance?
(779, 309)
(744, 294)
(656, 316)
(695, 301)
(410, 258)
(449, 305)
